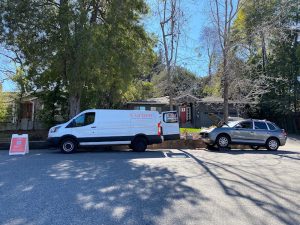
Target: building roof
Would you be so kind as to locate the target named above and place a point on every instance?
(212, 99)
(152, 101)
(187, 96)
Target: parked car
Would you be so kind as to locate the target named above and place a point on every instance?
(111, 127)
(256, 133)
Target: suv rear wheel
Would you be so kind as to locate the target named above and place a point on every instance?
(223, 141)
(68, 145)
(139, 144)
(272, 144)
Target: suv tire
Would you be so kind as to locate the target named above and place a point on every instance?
(68, 145)
(139, 144)
(272, 144)
(223, 141)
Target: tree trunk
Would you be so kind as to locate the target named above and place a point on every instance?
(170, 88)
(264, 52)
(74, 102)
(225, 92)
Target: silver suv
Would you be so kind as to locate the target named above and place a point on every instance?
(256, 133)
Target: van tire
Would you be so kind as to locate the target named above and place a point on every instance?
(68, 145)
(139, 144)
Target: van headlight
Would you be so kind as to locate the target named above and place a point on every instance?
(54, 129)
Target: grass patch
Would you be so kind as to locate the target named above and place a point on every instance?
(190, 130)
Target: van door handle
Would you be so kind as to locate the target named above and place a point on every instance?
(93, 127)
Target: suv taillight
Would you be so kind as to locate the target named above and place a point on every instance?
(284, 132)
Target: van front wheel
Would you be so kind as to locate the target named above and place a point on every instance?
(68, 145)
(139, 144)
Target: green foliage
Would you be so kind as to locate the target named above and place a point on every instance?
(94, 50)
(3, 108)
(264, 24)
(3, 112)
(212, 86)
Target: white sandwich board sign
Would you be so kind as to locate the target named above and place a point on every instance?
(19, 144)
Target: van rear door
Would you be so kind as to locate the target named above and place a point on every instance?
(170, 125)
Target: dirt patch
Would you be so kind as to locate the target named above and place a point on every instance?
(182, 143)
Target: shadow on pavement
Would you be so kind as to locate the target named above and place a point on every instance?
(114, 153)
(90, 189)
(294, 137)
(269, 195)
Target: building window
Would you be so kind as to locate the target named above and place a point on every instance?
(153, 108)
(188, 113)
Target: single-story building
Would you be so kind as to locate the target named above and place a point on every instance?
(22, 112)
(193, 111)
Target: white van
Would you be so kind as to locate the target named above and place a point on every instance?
(108, 127)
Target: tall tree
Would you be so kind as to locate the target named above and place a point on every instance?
(171, 18)
(88, 45)
(223, 13)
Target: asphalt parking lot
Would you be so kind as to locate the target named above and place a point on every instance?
(156, 187)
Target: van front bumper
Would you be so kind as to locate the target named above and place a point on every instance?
(53, 141)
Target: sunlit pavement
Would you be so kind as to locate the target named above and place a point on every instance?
(156, 187)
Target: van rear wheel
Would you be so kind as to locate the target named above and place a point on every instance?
(68, 145)
(139, 144)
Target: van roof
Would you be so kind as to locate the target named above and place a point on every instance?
(122, 110)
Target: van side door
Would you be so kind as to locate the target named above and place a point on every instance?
(83, 127)
(170, 125)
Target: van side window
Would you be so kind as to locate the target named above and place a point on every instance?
(83, 120)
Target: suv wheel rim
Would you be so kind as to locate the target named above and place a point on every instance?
(223, 141)
(68, 146)
(273, 144)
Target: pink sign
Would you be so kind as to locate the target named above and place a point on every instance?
(19, 144)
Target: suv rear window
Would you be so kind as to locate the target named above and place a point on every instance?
(272, 126)
(260, 125)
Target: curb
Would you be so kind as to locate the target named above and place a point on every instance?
(184, 144)
(32, 145)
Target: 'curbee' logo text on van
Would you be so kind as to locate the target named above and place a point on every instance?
(141, 116)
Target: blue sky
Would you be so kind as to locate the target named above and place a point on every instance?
(197, 16)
